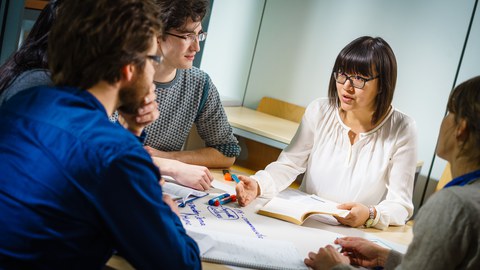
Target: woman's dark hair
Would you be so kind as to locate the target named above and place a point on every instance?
(464, 103)
(369, 57)
(33, 52)
(175, 13)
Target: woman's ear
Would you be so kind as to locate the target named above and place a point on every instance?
(462, 131)
(127, 72)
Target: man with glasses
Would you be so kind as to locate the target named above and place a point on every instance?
(73, 186)
(187, 96)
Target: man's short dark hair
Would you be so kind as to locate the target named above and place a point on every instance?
(91, 40)
(175, 13)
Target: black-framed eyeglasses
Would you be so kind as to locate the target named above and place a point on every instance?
(156, 59)
(355, 80)
(191, 37)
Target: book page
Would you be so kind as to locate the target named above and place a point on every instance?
(315, 203)
(296, 206)
(232, 249)
(283, 208)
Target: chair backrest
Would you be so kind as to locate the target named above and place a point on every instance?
(282, 109)
(445, 178)
(417, 172)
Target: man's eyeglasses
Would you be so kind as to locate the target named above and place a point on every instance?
(191, 37)
(355, 80)
(156, 59)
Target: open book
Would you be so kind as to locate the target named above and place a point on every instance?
(243, 251)
(182, 194)
(296, 206)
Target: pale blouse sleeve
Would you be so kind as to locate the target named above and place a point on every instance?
(398, 206)
(292, 162)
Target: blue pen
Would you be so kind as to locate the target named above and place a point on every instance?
(218, 198)
(234, 177)
(228, 199)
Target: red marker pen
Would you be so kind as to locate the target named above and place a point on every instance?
(216, 199)
(226, 200)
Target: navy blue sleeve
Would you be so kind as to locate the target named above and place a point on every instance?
(145, 230)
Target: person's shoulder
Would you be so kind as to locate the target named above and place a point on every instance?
(401, 117)
(401, 122)
(321, 104)
(194, 73)
(109, 140)
(34, 77)
(455, 197)
(26, 80)
(37, 72)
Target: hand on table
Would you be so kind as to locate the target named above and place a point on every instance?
(326, 258)
(358, 214)
(194, 176)
(363, 252)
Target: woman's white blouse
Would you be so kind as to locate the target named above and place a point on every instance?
(376, 170)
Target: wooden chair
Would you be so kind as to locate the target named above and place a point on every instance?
(260, 155)
(36, 4)
(281, 109)
(417, 172)
(445, 178)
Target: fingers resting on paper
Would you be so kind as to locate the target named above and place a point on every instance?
(326, 258)
(363, 252)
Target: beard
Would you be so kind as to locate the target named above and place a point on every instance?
(131, 97)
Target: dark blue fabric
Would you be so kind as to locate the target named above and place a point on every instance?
(73, 186)
(464, 179)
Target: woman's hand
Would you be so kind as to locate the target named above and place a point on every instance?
(326, 258)
(358, 214)
(247, 190)
(363, 252)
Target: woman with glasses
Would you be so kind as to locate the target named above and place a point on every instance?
(451, 213)
(354, 147)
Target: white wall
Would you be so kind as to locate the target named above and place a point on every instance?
(299, 41)
(230, 44)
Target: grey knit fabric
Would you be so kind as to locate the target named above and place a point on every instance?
(178, 103)
(26, 80)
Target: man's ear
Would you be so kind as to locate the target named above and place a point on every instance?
(127, 72)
